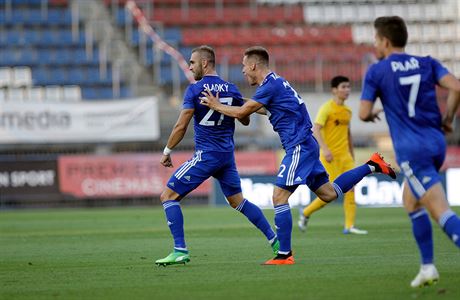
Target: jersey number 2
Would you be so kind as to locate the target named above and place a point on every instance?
(205, 121)
(414, 82)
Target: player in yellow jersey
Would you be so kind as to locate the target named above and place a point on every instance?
(332, 131)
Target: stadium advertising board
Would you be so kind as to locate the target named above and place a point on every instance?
(98, 121)
(112, 176)
(30, 179)
(374, 190)
(140, 175)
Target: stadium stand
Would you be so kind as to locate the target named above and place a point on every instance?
(230, 26)
(53, 45)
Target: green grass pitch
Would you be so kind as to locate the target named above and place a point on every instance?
(110, 254)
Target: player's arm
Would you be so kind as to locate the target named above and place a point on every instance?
(367, 112)
(238, 112)
(453, 100)
(176, 136)
(350, 143)
(322, 144)
(245, 121)
(261, 111)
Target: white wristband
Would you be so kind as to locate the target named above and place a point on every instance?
(167, 151)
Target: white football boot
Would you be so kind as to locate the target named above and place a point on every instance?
(427, 275)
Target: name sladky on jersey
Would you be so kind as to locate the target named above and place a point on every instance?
(216, 87)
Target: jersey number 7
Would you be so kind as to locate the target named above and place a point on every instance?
(414, 82)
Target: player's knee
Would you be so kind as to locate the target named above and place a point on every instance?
(233, 204)
(169, 195)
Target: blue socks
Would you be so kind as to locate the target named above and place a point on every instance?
(450, 223)
(176, 224)
(421, 229)
(256, 217)
(283, 224)
(349, 179)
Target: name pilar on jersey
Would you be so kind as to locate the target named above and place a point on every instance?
(404, 66)
(216, 87)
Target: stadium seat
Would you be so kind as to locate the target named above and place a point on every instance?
(71, 93)
(22, 77)
(34, 94)
(53, 93)
(15, 94)
(6, 77)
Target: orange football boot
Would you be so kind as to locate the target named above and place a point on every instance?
(381, 166)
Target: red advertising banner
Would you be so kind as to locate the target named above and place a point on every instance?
(121, 175)
(135, 175)
(256, 162)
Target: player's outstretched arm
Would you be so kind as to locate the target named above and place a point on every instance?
(367, 112)
(261, 111)
(453, 100)
(238, 112)
(176, 136)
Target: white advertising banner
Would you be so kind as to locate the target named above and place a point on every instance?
(98, 121)
(453, 186)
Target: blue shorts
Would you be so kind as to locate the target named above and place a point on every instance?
(204, 164)
(422, 171)
(301, 165)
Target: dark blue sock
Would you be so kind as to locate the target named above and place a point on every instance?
(349, 179)
(421, 229)
(283, 224)
(450, 223)
(255, 215)
(176, 223)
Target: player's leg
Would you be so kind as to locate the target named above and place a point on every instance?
(185, 179)
(255, 215)
(175, 220)
(425, 184)
(423, 235)
(230, 184)
(347, 180)
(283, 225)
(436, 203)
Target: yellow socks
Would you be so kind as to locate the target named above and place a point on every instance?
(317, 204)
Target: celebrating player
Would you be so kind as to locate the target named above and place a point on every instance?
(405, 85)
(332, 131)
(301, 165)
(214, 154)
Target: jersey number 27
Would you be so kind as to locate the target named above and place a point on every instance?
(205, 121)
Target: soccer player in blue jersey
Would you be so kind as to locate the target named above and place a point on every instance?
(214, 154)
(301, 165)
(405, 85)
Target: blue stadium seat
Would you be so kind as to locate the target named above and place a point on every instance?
(58, 76)
(89, 93)
(40, 76)
(77, 76)
(31, 37)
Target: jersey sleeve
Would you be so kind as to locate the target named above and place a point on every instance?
(188, 98)
(263, 94)
(323, 114)
(370, 86)
(439, 70)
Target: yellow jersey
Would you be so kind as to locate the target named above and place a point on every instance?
(335, 121)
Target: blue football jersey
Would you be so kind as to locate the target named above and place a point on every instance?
(405, 85)
(213, 131)
(286, 110)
